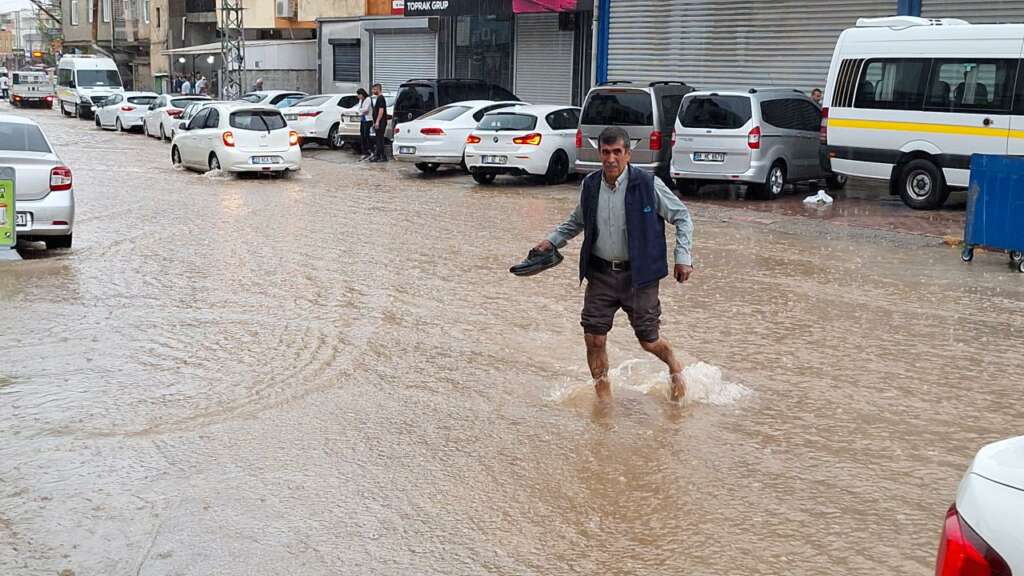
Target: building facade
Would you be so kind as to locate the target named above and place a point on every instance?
(118, 29)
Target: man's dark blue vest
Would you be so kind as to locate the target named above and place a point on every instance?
(644, 227)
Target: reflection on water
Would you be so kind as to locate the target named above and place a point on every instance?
(274, 376)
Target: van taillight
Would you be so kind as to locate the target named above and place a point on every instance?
(673, 138)
(655, 141)
(824, 126)
(60, 179)
(579, 138)
(962, 552)
(754, 138)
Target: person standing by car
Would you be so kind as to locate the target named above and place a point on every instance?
(380, 123)
(622, 213)
(816, 95)
(186, 87)
(5, 86)
(201, 86)
(365, 122)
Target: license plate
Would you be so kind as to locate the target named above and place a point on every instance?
(265, 160)
(406, 149)
(709, 156)
(291, 116)
(22, 219)
(494, 159)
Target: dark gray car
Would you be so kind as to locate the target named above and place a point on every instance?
(647, 112)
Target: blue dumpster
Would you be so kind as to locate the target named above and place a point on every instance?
(995, 207)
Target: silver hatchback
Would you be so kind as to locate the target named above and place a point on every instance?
(763, 138)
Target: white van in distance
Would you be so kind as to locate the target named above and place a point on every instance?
(910, 99)
(83, 81)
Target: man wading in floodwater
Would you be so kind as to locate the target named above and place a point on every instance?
(622, 213)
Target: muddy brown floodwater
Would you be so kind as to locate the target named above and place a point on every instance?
(336, 374)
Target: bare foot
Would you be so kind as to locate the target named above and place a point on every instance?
(678, 386)
(603, 387)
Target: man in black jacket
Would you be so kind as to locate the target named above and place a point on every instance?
(380, 123)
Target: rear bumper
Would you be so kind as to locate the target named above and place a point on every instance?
(56, 206)
(757, 172)
(416, 158)
(528, 165)
(242, 161)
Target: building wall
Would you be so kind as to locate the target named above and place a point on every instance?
(378, 7)
(310, 10)
(158, 37)
(301, 80)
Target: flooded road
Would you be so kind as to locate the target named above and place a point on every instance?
(336, 374)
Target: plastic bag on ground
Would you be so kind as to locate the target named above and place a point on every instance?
(821, 197)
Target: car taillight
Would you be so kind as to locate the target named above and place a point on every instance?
(472, 139)
(49, 98)
(531, 139)
(397, 130)
(174, 112)
(673, 138)
(310, 114)
(229, 139)
(432, 131)
(655, 140)
(824, 126)
(962, 552)
(127, 108)
(293, 138)
(60, 179)
(754, 138)
(579, 138)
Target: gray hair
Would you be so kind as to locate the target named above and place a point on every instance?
(613, 135)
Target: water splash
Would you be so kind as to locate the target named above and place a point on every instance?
(704, 384)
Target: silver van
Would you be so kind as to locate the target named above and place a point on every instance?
(647, 113)
(764, 138)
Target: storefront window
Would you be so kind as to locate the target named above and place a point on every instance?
(483, 49)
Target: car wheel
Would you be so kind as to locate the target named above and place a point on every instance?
(175, 156)
(58, 242)
(837, 181)
(332, 138)
(558, 168)
(427, 167)
(774, 185)
(118, 125)
(922, 186)
(162, 135)
(214, 162)
(483, 177)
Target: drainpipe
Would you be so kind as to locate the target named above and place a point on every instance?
(603, 16)
(908, 7)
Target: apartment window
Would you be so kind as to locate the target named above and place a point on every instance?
(145, 10)
(346, 60)
(74, 12)
(106, 10)
(89, 4)
(158, 17)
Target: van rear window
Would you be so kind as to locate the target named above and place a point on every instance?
(259, 120)
(619, 109)
(721, 112)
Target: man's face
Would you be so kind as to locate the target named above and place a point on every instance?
(816, 96)
(614, 159)
(376, 90)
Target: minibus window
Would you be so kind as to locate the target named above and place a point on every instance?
(965, 85)
(896, 84)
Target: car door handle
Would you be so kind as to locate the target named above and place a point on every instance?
(987, 121)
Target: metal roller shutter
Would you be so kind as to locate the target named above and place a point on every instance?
(727, 44)
(543, 60)
(975, 12)
(400, 57)
(346, 62)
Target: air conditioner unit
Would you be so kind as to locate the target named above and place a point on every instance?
(287, 8)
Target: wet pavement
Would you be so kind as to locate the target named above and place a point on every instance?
(335, 373)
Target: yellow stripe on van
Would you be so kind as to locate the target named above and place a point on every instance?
(924, 127)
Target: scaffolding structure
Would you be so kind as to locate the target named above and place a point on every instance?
(232, 49)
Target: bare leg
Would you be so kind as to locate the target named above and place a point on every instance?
(597, 359)
(663, 350)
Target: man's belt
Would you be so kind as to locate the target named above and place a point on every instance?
(602, 265)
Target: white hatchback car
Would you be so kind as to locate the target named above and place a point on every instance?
(277, 98)
(165, 113)
(524, 141)
(318, 118)
(984, 529)
(123, 111)
(439, 136)
(44, 195)
(237, 137)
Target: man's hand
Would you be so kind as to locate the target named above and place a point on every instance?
(544, 246)
(682, 272)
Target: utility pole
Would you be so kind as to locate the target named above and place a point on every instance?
(232, 49)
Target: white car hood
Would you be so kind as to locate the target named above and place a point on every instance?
(1002, 462)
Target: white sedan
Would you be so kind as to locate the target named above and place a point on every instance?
(524, 141)
(237, 137)
(165, 113)
(984, 529)
(439, 136)
(317, 118)
(123, 111)
(277, 98)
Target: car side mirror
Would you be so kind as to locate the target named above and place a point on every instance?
(182, 126)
